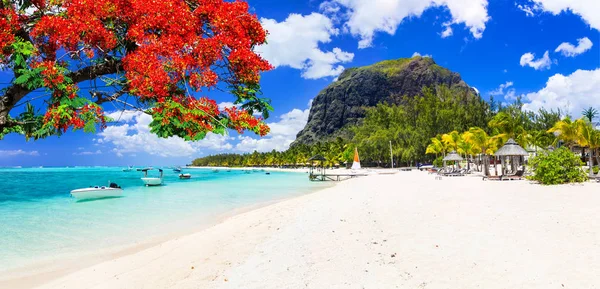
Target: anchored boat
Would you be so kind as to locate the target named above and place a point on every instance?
(98, 192)
(185, 176)
(150, 182)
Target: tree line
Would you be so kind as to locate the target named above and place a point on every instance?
(423, 128)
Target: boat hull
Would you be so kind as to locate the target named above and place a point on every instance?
(150, 182)
(96, 193)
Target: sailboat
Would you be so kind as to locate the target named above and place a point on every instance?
(356, 163)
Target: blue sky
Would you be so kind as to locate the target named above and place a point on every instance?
(497, 46)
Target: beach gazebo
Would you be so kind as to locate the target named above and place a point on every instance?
(453, 156)
(513, 151)
(316, 171)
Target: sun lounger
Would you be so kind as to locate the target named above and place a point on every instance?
(492, 178)
(516, 176)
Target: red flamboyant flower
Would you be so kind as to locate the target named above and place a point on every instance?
(160, 51)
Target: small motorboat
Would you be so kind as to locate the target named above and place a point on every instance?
(177, 170)
(267, 173)
(215, 170)
(98, 192)
(128, 169)
(151, 182)
(185, 176)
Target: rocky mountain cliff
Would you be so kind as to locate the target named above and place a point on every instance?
(342, 103)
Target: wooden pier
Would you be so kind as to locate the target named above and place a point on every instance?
(333, 177)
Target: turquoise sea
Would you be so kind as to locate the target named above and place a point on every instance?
(39, 220)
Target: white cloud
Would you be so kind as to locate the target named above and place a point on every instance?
(88, 153)
(419, 54)
(295, 43)
(447, 32)
(282, 134)
(570, 50)
(586, 9)
(571, 93)
(540, 64)
(501, 88)
(225, 104)
(12, 153)
(123, 116)
(527, 9)
(136, 137)
(364, 18)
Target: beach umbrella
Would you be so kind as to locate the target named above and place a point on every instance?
(453, 156)
(511, 149)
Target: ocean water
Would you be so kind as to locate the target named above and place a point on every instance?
(39, 220)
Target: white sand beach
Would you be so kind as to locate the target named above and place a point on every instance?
(405, 230)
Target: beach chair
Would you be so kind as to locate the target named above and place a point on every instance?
(493, 178)
(517, 176)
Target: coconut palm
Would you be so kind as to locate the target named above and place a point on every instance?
(466, 147)
(480, 140)
(506, 126)
(588, 137)
(451, 140)
(436, 147)
(590, 114)
(566, 130)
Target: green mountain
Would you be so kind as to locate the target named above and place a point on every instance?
(343, 102)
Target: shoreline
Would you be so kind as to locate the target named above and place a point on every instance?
(61, 265)
(405, 230)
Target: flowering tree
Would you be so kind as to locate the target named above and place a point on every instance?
(148, 55)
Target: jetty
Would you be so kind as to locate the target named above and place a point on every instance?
(317, 173)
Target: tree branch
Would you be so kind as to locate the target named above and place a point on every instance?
(15, 93)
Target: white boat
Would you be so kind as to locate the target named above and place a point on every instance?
(177, 170)
(128, 169)
(185, 176)
(149, 182)
(98, 192)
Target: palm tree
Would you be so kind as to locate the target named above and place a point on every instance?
(566, 131)
(506, 126)
(451, 140)
(590, 113)
(480, 140)
(466, 147)
(436, 147)
(588, 137)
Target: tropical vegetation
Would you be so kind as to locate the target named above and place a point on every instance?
(557, 167)
(134, 55)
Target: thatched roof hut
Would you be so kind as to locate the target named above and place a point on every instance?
(511, 148)
(453, 156)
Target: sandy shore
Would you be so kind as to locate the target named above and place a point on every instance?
(382, 231)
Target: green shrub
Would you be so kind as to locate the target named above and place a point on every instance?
(596, 169)
(558, 167)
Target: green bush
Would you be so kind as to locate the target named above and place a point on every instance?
(596, 169)
(558, 167)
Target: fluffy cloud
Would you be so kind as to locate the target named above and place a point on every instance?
(570, 50)
(363, 18)
(282, 134)
(419, 54)
(136, 137)
(528, 59)
(123, 116)
(295, 43)
(501, 88)
(571, 93)
(12, 153)
(447, 32)
(586, 9)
